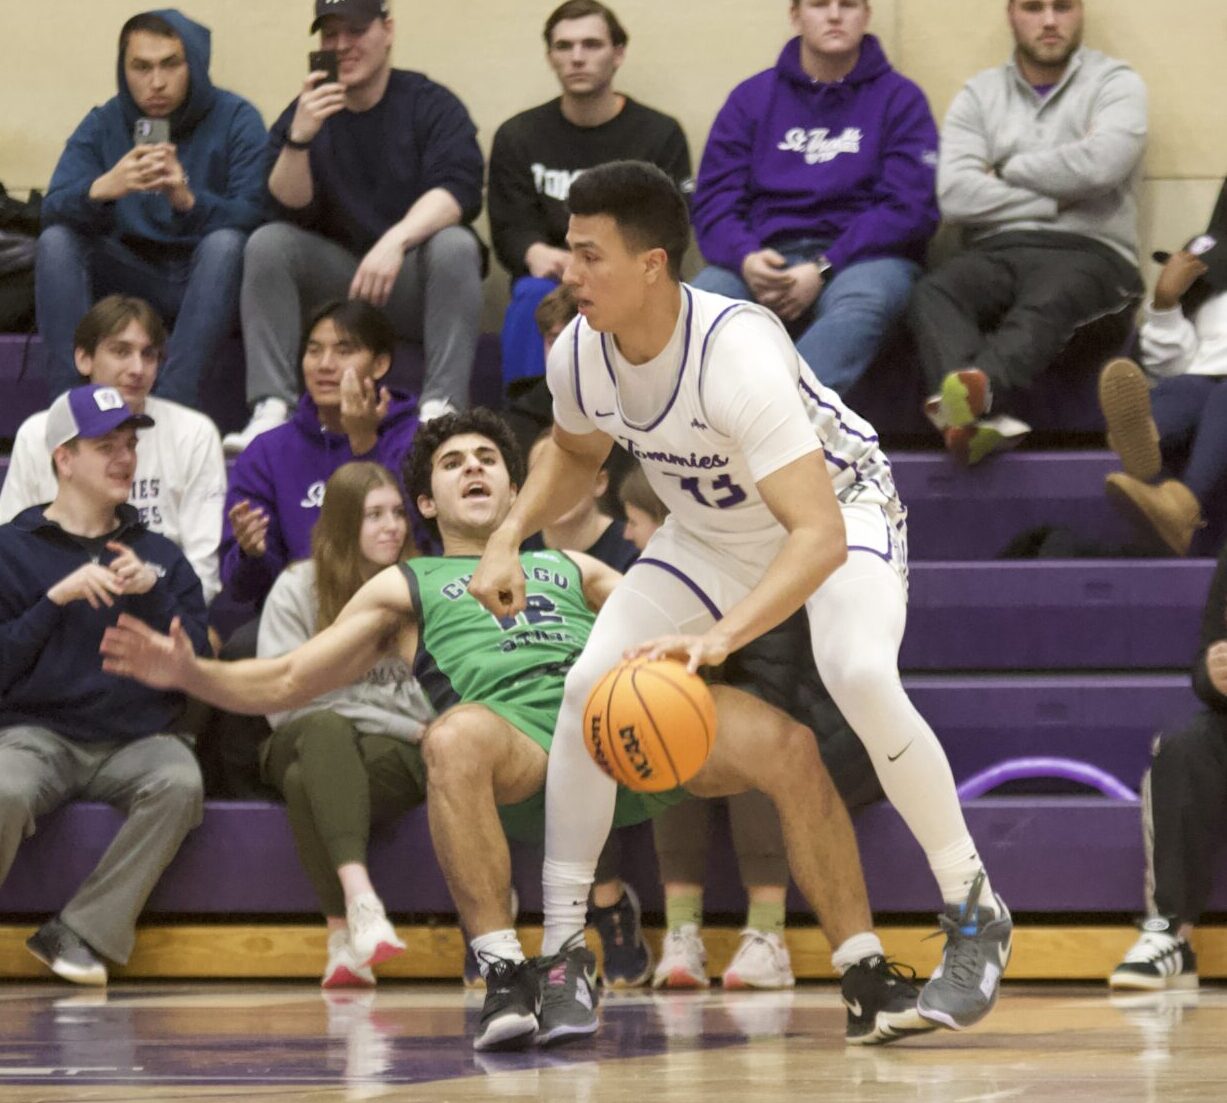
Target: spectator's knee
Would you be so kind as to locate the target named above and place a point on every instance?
(177, 787)
(453, 249)
(225, 246)
(267, 246)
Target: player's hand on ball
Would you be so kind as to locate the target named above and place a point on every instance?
(134, 650)
(498, 582)
(694, 651)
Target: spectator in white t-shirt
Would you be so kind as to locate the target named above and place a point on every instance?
(180, 483)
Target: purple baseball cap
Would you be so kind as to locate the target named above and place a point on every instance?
(361, 12)
(90, 411)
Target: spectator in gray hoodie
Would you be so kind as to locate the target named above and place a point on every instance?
(1040, 161)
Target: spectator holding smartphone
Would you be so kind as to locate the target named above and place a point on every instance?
(375, 179)
(162, 220)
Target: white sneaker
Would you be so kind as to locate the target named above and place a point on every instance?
(433, 408)
(267, 414)
(683, 960)
(761, 961)
(370, 934)
(344, 970)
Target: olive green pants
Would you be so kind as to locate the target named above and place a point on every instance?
(337, 782)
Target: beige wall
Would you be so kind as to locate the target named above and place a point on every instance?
(684, 57)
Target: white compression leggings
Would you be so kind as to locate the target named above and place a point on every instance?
(857, 619)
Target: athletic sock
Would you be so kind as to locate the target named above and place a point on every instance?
(565, 887)
(496, 944)
(766, 916)
(682, 908)
(956, 868)
(854, 949)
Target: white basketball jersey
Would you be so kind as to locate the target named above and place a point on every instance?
(701, 472)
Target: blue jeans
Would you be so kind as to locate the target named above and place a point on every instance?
(840, 334)
(522, 343)
(199, 290)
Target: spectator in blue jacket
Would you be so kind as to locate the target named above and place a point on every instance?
(375, 178)
(67, 730)
(816, 193)
(165, 221)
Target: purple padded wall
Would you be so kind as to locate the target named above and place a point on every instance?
(242, 861)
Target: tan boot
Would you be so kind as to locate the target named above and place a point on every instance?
(1124, 398)
(1169, 511)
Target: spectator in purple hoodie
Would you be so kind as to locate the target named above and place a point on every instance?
(816, 196)
(277, 486)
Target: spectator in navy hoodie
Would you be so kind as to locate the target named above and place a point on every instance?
(375, 178)
(67, 730)
(815, 196)
(277, 485)
(166, 222)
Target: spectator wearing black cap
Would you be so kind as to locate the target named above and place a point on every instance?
(1170, 430)
(67, 730)
(375, 177)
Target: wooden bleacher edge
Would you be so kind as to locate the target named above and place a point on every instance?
(296, 951)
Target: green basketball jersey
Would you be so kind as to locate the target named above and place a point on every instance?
(515, 666)
(467, 654)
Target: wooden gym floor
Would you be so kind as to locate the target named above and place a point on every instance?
(289, 1042)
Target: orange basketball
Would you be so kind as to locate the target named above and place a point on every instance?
(649, 724)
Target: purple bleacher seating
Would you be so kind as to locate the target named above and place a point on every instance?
(1086, 614)
(973, 513)
(1107, 720)
(241, 861)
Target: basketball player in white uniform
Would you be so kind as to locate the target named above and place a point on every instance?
(779, 497)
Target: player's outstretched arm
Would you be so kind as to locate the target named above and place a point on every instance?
(372, 623)
(566, 468)
(802, 499)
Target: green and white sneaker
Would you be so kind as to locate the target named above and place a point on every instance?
(964, 986)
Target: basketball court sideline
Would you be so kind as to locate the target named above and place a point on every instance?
(282, 1042)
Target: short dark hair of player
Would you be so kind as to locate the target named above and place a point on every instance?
(365, 325)
(147, 21)
(580, 9)
(436, 432)
(650, 211)
(112, 315)
(555, 310)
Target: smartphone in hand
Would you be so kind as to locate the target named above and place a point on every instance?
(150, 132)
(325, 61)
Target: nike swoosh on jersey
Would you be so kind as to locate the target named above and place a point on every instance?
(603, 413)
(893, 757)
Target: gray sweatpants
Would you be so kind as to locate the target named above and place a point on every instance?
(155, 781)
(436, 300)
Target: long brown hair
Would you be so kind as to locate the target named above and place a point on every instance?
(340, 569)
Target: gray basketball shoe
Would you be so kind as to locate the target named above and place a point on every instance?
(569, 993)
(964, 986)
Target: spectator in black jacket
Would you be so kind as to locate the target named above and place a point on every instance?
(1184, 817)
(67, 730)
(375, 178)
(538, 153)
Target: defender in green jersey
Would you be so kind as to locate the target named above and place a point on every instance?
(500, 683)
